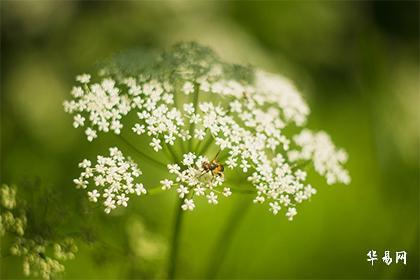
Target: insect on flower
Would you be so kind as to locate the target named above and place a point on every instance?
(213, 166)
(189, 96)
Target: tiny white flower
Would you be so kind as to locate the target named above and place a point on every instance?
(212, 198)
(80, 183)
(169, 139)
(93, 195)
(189, 108)
(188, 88)
(140, 189)
(245, 166)
(227, 192)
(155, 144)
(199, 191)
(174, 168)
(166, 184)
(85, 163)
(274, 207)
(182, 191)
(291, 212)
(109, 205)
(189, 159)
(108, 193)
(122, 200)
(139, 129)
(77, 92)
(91, 134)
(188, 205)
(259, 199)
(231, 162)
(301, 175)
(84, 78)
(200, 134)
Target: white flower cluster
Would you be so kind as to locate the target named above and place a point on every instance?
(113, 178)
(198, 103)
(279, 184)
(326, 158)
(193, 181)
(33, 249)
(101, 103)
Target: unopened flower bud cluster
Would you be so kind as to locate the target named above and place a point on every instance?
(32, 250)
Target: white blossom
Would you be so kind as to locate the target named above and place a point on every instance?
(115, 175)
(227, 192)
(182, 191)
(94, 195)
(274, 207)
(155, 144)
(166, 184)
(139, 129)
(91, 134)
(78, 121)
(189, 159)
(291, 212)
(84, 78)
(140, 189)
(212, 198)
(188, 87)
(188, 205)
(326, 158)
(246, 120)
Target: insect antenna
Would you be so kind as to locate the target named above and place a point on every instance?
(217, 155)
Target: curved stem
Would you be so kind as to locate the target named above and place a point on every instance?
(149, 158)
(175, 239)
(206, 146)
(172, 153)
(224, 241)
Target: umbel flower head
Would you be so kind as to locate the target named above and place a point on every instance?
(113, 178)
(191, 105)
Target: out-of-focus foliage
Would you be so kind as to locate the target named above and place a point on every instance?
(358, 65)
(31, 238)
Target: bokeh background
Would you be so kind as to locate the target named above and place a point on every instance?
(357, 63)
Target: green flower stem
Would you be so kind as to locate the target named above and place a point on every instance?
(242, 191)
(143, 155)
(173, 253)
(156, 190)
(173, 154)
(302, 165)
(192, 125)
(206, 146)
(224, 241)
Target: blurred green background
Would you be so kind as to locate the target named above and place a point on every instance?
(357, 63)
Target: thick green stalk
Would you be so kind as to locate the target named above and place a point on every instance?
(174, 246)
(224, 241)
